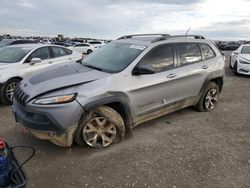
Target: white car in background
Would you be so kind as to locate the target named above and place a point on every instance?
(83, 48)
(19, 61)
(240, 60)
(97, 44)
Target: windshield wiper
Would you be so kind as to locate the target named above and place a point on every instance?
(93, 67)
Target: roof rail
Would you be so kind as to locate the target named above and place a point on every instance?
(141, 35)
(176, 36)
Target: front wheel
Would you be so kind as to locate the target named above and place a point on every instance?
(209, 98)
(7, 91)
(100, 128)
(235, 68)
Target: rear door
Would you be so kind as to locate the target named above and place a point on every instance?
(195, 61)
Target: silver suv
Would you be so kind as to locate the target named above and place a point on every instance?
(125, 83)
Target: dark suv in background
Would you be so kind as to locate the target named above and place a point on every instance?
(7, 42)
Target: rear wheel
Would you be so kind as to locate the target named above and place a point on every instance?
(209, 98)
(100, 128)
(7, 91)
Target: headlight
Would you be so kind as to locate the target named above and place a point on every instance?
(56, 99)
(244, 62)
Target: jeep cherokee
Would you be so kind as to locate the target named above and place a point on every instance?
(126, 82)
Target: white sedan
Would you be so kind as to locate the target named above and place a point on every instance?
(83, 48)
(19, 61)
(240, 60)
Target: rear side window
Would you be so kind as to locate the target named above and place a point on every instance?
(188, 53)
(42, 53)
(160, 58)
(58, 52)
(207, 51)
(68, 52)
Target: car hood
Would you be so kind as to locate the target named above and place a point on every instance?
(58, 77)
(6, 65)
(245, 56)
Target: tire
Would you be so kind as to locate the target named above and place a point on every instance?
(7, 90)
(89, 51)
(202, 105)
(235, 69)
(230, 65)
(100, 128)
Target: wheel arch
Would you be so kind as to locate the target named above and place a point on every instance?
(118, 103)
(16, 77)
(217, 78)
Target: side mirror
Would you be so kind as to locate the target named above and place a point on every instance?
(142, 69)
(35, 60)
(236, 53)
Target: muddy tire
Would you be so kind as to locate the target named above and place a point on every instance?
(7, 91)
(100, 128)
(209, 98)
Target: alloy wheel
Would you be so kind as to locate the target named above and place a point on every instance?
(99, 132)
(9, 92)
(211, 99)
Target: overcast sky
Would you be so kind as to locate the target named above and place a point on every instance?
(216, 19)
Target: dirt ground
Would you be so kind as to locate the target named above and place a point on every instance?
(183, 149)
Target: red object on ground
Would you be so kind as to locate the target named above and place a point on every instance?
(2, 144)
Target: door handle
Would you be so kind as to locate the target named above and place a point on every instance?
(172, 75)
(205, 67)
(50, 62)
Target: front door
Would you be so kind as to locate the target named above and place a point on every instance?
(151, 92)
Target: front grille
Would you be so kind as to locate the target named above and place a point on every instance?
(20, 95)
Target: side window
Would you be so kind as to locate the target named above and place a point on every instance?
(161, 58)
(42, 53)
(58, 52)
(207, 51)
(188, 53)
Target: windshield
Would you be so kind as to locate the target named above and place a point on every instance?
(245, 50)
(113, 57)
(5, 43)
(12, 54)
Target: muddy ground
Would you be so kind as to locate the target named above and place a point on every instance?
(183, 149)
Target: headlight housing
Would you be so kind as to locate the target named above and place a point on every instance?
(60, 99)
(244, 62)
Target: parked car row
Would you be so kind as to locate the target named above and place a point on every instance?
(126, 82)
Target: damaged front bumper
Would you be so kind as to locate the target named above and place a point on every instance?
(56, 123)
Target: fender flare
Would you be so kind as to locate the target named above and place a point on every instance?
(113, 98)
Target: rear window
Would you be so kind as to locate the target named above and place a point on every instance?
(59, 52)
(189, 53)
(207, 51)
(68, 52)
